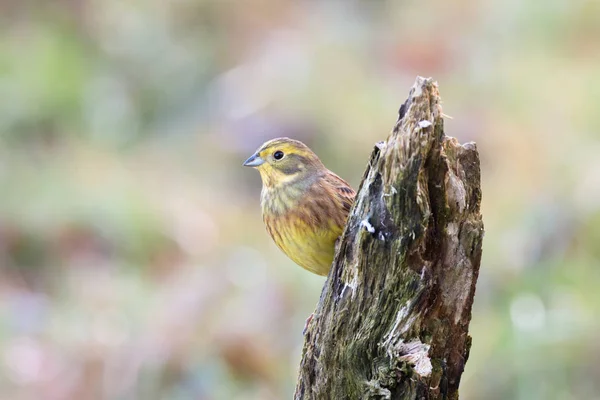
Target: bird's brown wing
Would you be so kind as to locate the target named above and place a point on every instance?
(342, 191)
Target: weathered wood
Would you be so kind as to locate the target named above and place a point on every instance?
(393, 318)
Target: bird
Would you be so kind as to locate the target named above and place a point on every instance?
(304, 205)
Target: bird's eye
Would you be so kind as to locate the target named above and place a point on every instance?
(278, 155)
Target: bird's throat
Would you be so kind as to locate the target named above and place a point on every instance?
(285, 194)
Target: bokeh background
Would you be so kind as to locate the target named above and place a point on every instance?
(133, 259)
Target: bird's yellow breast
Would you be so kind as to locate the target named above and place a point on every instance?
(301, 228)
(310, 246)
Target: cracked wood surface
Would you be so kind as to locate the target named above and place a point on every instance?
(393, 318)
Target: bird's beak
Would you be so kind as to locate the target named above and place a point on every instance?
(253, 161)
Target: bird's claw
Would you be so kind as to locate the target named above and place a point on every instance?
(308, 320)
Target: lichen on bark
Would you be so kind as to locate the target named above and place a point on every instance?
(392, 321)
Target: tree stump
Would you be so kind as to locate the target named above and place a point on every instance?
(392, 321)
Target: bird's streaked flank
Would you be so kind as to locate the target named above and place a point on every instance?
(304, 205)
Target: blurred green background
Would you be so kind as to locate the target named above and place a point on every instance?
(133, 259)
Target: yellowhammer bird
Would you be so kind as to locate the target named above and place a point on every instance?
(304, 205)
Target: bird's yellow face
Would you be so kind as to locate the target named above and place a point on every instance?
(284, 160)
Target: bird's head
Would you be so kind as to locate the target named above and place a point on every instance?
(284, 160)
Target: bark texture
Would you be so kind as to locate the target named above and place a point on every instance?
(393, 318)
